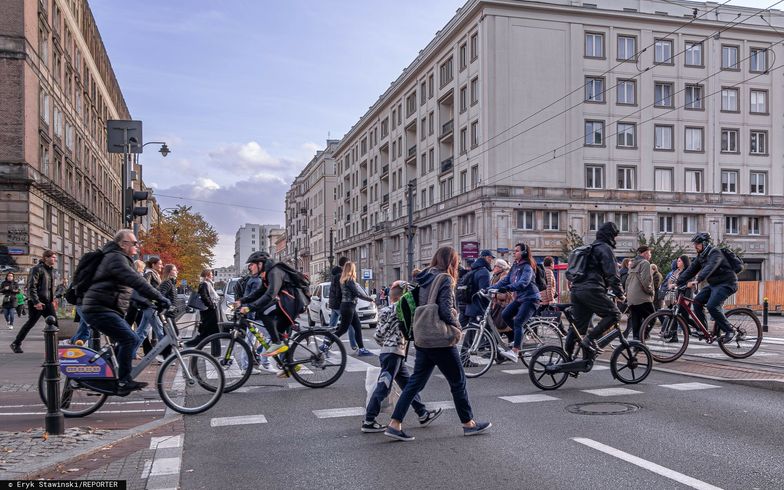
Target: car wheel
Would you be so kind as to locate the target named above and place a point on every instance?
(311, 323)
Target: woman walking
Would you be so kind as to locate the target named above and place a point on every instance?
(348, 306)
(208, 317)
(9, 290)
(442, 278)
(149, 318)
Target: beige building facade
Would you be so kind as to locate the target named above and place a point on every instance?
(522, 119)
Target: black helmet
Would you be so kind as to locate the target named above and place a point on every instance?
(703, 238)
(259, 256)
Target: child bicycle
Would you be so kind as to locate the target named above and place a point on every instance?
(89, 377)
(551, 366)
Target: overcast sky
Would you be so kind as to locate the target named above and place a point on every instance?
(245, 92)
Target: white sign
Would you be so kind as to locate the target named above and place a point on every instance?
(367, 274)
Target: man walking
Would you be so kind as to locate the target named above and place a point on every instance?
(40, 294)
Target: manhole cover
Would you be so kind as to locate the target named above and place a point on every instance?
(602, 408)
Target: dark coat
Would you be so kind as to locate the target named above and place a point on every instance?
(480, 279)
(710, 265)
(602, 272)
(269, 290)
(334, 289)
(349, 292)
(40, 284)
(446, 295)
(9, 290)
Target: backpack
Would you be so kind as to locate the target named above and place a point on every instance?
(735, 262)
(297, 284)
(578, 263)
(404, 310)
(464, 292)
(83, 276)
(540, 277)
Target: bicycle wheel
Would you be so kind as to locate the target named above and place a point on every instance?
(74, 401)
(548, 355)
(538, 334)
(477, 352)
(234, 356)
(748, 334)
(311, 366)
(666, 335)
(631, 364)
(181, 383)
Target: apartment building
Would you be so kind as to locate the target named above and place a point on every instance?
(252, 238)
(521, 119)
(310, 214)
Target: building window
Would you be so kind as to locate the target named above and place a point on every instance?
(431, 160)
(594, 89)
(474, 134)
(627, 135)
(729, 140)
(757, 182)
(662, 53)
(758, 144)
(666, 223)
(662, 179)
(430, 86)
(466, 223)
(551, 221)
(474, 90)
(729, 58)
(626, 178)
(424, 199)
(594, 177)
(463, 56)
(694, 137)
(463, 140)
(731, 225)
(594, 45)
(729, 182)
(755, 227)
(411, 104)
(758, 60)
(422, 93)
(662, 93)
(463, 99)
(463, 181)
(729, 100)
(624, 222)
(594, 133)
(626, 92)
(693, 97)
(595, 220)
(43, 45)
(759, 102)
(43, 102)
(693, 54)
(525, 220)
(58, 122)
(445, 72)
(474, 46)
(446, 188)
(689, 224)
(431, 123)
(445, 229)
(422, 130)
(662, 137)
(474, 176)
(693, 180)
(432, 195)
(627, 48)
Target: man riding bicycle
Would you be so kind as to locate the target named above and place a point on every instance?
(711, 266)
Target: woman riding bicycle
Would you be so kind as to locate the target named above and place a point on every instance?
(520, 280)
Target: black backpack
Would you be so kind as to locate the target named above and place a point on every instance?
(578, 263)
(83, 276)
(297, 284)
(464, 292)
(735, 262)
(540, 277)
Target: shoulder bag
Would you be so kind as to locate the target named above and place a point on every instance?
(430, 331)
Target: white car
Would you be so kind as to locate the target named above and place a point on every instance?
(319, 312)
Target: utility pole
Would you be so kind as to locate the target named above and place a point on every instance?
(331, 257)
(410, 230)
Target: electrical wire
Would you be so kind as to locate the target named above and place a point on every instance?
(218, 203)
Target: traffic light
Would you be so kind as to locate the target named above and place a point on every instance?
(131, 210)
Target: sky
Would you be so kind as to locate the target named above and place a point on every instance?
(245, 92)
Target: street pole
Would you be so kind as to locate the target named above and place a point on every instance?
(54, 422)
(125, 179)
(331, 255)
(410, 231)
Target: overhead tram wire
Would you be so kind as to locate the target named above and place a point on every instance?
(181, 198)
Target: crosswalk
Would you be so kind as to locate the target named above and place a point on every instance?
(611, 392)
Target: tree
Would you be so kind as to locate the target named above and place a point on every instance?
(664, 250)
(183, 238)
(572, 241)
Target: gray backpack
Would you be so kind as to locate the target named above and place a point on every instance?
(430, 331)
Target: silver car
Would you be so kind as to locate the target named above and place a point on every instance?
(319, 312)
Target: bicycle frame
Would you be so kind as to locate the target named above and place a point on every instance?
(684, 304)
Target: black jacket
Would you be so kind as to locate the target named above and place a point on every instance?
(710, 265)
(446, 295)
(9, 290)
(334, 288)
(204, 294)
(349, 292)
(113, 283)
(168, 289)
(272, 283)
(40, 284)
(602, 273)
(480, 279)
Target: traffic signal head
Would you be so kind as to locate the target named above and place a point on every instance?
(131, 198)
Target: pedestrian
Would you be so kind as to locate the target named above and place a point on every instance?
(335, 300)
(522, 281)
(208, 318)
(658, 279)
(9, 290)
(550, 294)
(152, 274)
(640, 291)
(393, 350)
(40, 294)
(679, 265)
(168, 290)
(349, 292)
(442, 275)
(623, 272)
(20, 303)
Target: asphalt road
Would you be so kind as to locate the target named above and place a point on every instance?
(681, 435)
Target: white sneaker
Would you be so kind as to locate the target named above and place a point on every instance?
(256, 370)
(10, 327)
(268, 369)
(510, 354)
(159, 359)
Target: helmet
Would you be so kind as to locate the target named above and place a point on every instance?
(260, 256)
(703, 238)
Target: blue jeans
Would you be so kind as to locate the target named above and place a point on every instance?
(713, 297)
(447, 359)
(517, 314)
(9, 314)
(333, 321)
(148, 318)
(114, 326)
(83, 332)
(392, 368)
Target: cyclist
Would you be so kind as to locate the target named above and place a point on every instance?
(522, 281)
(711, 266)
(589, 295)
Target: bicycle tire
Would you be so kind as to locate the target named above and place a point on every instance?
(313, 361)
(631, 357)
(181, 386)
(548, 334)
(480, 355)
(543, 357)
(660, 342)
(748, 331)
(67, 397)
(229, 359)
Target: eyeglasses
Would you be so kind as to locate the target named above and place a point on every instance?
(134, 243)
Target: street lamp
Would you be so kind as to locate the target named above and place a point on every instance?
(164, 150)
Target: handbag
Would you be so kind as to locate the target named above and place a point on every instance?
(430, 331)
(195, 302)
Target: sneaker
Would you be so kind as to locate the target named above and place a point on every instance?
(324, 347)
(476, 429)
(591, 346)
(398, 434)
(510, 354)
(470, 363)
(131, 386)
(10, 327)
(159, 359)
(268, 369)
(727, 337)
(364, 352)
(17, 348)
(354, 348)
(256, 370)
(275, 349)
(372, 427)
(429, 417)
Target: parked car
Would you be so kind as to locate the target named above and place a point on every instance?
(319, 312)
(227, 298)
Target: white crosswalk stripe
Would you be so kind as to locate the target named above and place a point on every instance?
(690, 386)
(536, 397)
(239, 420)
(612, 392)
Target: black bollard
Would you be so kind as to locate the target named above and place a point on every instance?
(764, 314)
(54, 421)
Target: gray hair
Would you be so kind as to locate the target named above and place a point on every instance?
(122, 235)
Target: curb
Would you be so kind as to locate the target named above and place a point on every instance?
(765, 384)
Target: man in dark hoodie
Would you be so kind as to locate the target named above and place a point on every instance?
(589, 295)
(40, 296)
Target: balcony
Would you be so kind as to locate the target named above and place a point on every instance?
(446, 165)
(447, 128)
(364, 209)
(412, 153)
(364, 184)
(385, 200)
(348, 218)
(385, 170)
(348, 195)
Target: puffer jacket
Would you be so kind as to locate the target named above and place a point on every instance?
(710, 265)
(447, 305)
(349, 292)
(40, 284)
(602, 271)
(639, 284)
(113, 283)
(521, 281)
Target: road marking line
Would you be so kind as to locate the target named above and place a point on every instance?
(690, 386)
(354, 365)
(515, 371)
(165, 466)
(642, 463)
(146, 470)
(612, 392)
(102, 412)
(240, 420)
(331, 413)
(165, 442)
(536, 397)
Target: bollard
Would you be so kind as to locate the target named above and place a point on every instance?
(54, 421)
(764, 314)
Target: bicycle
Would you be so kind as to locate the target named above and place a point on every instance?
(89, 377)
(479, 343)
(303, 360)
(556, 364)
(667, 346)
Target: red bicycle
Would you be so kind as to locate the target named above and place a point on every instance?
(666, 332)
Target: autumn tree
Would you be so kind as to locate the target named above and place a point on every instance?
(572, 241)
